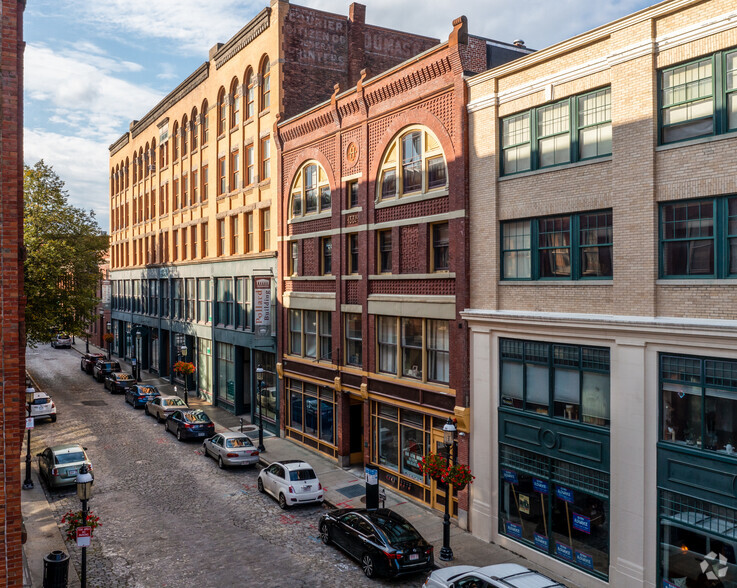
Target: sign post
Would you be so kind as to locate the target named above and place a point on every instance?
(84, 535)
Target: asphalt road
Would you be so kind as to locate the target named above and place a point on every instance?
(169, 516)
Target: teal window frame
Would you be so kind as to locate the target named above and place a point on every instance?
(576, 246)
(722, 237)
(585, 359)
(720, 95)
(532, 135)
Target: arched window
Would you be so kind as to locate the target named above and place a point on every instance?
(135, 168)
(112, 182)
(235, 104)
(193, 128)
(222, 111)
(265, 83)
(174, 140)
(152, 157)
(413, 164)
(184, 135)
(127, 175)
(250, 83)
(310, 192)
(205, 127)
(140, 164)
(145, 161)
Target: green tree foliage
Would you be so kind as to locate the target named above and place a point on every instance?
(65, 247)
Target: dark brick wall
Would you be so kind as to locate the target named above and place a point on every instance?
(12, 336)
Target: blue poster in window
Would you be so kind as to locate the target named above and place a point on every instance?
(581, 523)
(541, 541)
(564, 551)
(509, 476)
(564, 494)
(584, 560)
(667, 584)
(514, 530)
(540, 486)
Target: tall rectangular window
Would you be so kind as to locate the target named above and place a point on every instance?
(440, 247)
(353, 253)
(384, 251)
(222, 176)
(554, 139)
(438, 351)
(174, 245)
(310, 333)
(176, 195)
(294, 258)
(326, 252)
(204, 183)
(249, 232)
(554, 247)
(325, 330)
(265, 159)
(234, 243)
(221, 237)
(352, 189)
(353, 340)
(190, 304)
(265, 229)
(205, 232)
(204, 301)
(243, 303)
(235, 170)
(164, 290)
(687, 98)
(225, 302)
(595, 124)
(516, 143)
(295, 332)
(387, 341)
(250, 166)
(193, 237)
(516, 250)
(195, 187)
(690, 232)
(178, 298)
(185, 191)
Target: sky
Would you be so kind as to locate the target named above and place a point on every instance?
(93, 66)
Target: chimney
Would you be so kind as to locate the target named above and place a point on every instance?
(357, 13)
(518, 43)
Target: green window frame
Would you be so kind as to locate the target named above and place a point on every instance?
(564, 247)
(698, 98)
(698, 238)
(577, 128)
(569, 382)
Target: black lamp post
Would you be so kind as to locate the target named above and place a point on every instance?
(28, 483)
(84, 493)
(184, 358)
(446, 553)
(110, 343)
(260, 391)
(100, 332)
(138, 358)
(87, 339)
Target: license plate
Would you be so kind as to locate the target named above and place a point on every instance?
(200, 434)
(71, 473)
(307, 487)
(414, 556)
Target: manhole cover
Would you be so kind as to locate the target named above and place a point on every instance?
(352, 491)
(94, 403)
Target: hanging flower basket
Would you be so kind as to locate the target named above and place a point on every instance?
(459, 475)
(184, 368)
(433, 465)
(73, 520)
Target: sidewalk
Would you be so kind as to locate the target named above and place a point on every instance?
(345, 487)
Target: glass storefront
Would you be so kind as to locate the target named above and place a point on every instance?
(559, 508)
(204, 369)
(312, 415)
(268, 401)
(155, 351)
(226, 372)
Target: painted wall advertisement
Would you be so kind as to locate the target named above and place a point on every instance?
(262, 305)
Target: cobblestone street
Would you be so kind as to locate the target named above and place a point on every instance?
(169, 516)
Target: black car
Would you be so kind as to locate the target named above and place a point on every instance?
(117, 382)
(188, 424)
(104, 368)
(139, 395)
(89, 360)
(384, 542)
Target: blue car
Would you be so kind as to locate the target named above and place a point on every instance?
(139, 395)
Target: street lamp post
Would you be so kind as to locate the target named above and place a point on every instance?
(260, 391)
(110, 343)
(446, 553)
(28, 483)
(84, 493)
(138, 356)
(101, 332)
(184, 358)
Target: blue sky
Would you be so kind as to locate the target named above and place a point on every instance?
(92, 66)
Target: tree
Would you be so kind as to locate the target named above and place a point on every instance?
(64, 249)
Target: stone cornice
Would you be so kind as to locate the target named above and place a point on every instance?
(243, 37)
(697, 31)
(119, 144)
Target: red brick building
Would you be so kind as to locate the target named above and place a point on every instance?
(12, 330)
(373, 260)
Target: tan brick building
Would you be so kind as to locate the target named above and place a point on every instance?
(192, 197)
(603, 301)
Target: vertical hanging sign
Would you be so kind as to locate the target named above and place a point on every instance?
(262, 305)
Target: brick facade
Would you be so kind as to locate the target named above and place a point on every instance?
(12, 374)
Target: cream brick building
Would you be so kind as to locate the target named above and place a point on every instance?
(604, 303)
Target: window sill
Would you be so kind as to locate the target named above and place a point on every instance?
(328, 278)
(696, 282)
(398, 201)
(264, 112)
(310, 217)
(436, 276)
(353, 210)
(696, 141)
(556, 282)
(560, 167)
(235, 128)
(264, 183)
(436, 387)
(351, 277)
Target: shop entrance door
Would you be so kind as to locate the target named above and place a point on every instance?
(437, 489)
(355, 435)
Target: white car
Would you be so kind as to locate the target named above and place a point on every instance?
(43, 407)
(162, 406)
(61, 340)
(496, 576)
(291, 482)
(231, 449)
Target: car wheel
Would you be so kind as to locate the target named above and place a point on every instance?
(145, 411)
(158, 418)
(367, 565)
(179, 434)
(221, 463)
(325, 533)
(81, 366)
(282, 502)
(53, 418)
(260, 486)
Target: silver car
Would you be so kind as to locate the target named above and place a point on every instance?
(59, 465)
(291, 481)
(162, 406)
(505, 575)
(61, 340)
(231, 449)
(43, 407)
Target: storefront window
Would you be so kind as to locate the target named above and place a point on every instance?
(226, 372)
(310, 404)
(204, 368)
(412, 451)
(295, 410)
(312, 410)
(389, 445)
(327, 413)
(155, 349)
(412, 347)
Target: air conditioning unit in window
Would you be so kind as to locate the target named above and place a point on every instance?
(151, 168)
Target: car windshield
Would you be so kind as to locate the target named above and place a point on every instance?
(396, 531)
(173, 402)
(124, 377)
(302, 475)
(72, 457)
(107, 365)
(238, 442)
(196, 416)
(147, 390)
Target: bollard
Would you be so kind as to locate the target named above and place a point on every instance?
(56, 568)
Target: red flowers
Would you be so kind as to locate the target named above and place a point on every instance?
(184, 368)
(435, 466)
(73, 520)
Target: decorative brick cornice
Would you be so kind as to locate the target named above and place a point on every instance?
(119, 144)
(698, 31)
(243, 37)
(194, 80)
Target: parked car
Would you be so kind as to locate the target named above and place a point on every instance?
(497, 576)
(162, 406)
(138, 395)
(291, 481)
(89, 360)
(231, 449)
(61, 340)
(59, 464)
(117, 382)
(43, 407)
(188, 424)
(103, 368)
(384, 542)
